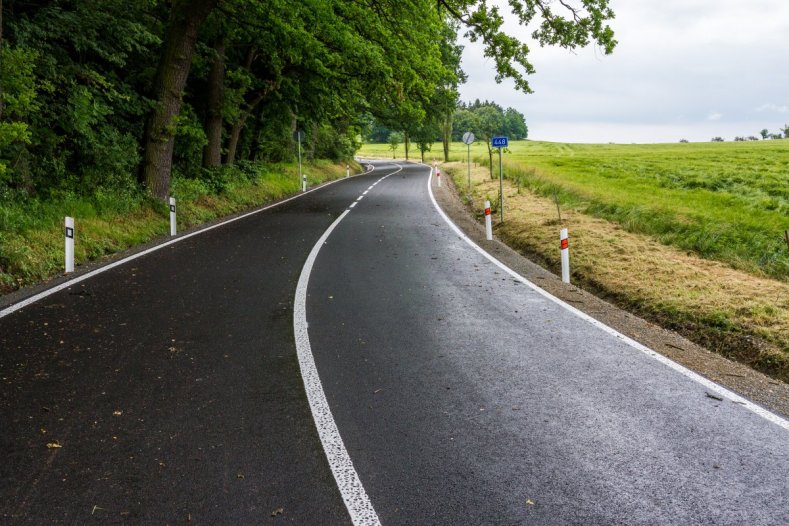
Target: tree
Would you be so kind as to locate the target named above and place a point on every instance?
(489, 123)
(765, 133)
(465, 121)
(573, 24)
(425, 136)
(785, 129)
(395, 139)
(186, 17)
(515, 124)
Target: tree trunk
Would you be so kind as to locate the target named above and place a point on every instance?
(490, 158)
(186, 17)
(1, 49)
(407, 144)
(212, 153)
(235, 131)
(446, 135)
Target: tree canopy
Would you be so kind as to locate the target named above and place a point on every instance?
(119, 95)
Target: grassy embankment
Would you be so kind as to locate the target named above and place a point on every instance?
(688, 235)
(31, 230)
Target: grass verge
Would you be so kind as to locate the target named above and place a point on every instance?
(31, 230)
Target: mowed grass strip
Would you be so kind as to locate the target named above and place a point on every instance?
(736, 313)
(31, 233)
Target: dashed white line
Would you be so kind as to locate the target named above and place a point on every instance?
(709, 384)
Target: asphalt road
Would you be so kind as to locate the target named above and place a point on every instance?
(461, 395)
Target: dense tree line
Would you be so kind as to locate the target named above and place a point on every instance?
(122, 94)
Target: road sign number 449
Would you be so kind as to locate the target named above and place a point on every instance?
(499, 142)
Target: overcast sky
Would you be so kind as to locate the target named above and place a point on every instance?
(690, 69)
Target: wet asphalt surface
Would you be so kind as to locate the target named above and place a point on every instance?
(463, 397)
(171, 383)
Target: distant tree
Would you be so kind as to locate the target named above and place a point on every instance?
(395, 138)
(515, 124)
(683, 140)
(739, 138)
(378, 134)
(764, 133)
(490, 122)
(717, 139)
(425, 136)
(776, 136)
(464, 120)
(752, 138)
(785, 129)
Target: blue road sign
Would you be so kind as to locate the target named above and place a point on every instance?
(499, 142)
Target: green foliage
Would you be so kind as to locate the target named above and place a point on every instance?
(79, 82)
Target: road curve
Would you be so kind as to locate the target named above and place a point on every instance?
(465, 397)
(168, 388)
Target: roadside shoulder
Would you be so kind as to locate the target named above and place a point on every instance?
(764, 390)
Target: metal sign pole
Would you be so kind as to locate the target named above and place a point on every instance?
(501, 188)
(468, 156)
(468, 138)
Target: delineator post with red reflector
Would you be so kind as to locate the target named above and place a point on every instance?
(488, 222)
(438, 176)
(565, 245)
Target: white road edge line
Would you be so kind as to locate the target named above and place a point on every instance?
(70, 283)
(709, 384)
(353, 494)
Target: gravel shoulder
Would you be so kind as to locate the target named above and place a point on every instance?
(764, 390)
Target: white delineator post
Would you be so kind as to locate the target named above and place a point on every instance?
(565, 244)
(69, 244)
(173, 228)
(438, 175)
(347, 170)
(304, 183)
(488, 222)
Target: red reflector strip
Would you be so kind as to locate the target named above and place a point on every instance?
(565, 244)
(487, 211)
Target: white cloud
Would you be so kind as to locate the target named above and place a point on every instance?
(714, 116)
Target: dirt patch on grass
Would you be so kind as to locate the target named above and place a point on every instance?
(731, 312)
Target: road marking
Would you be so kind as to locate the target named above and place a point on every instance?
(353, 494)
(70, 283)
(709, 384)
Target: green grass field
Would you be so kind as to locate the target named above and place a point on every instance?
(722, 201)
